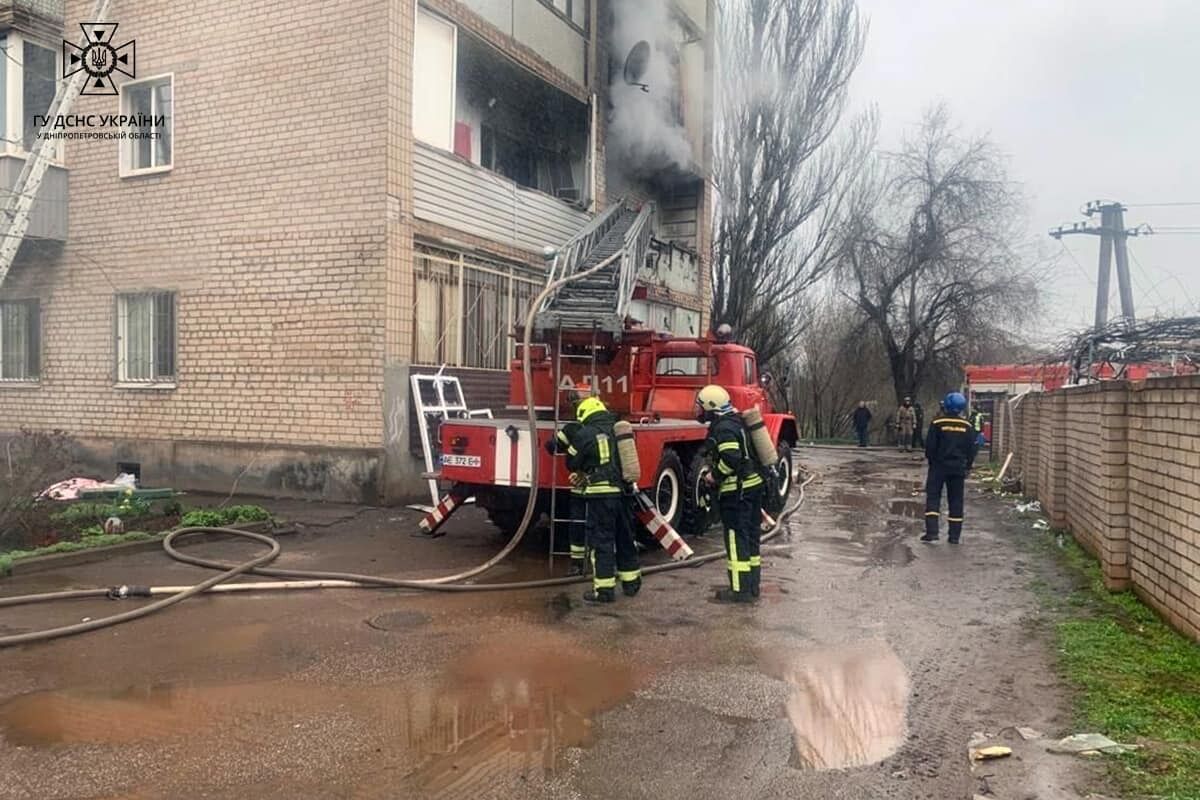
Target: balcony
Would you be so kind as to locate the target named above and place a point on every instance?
(48, 219)
(451, 191)
(500, 153)
(42, 18)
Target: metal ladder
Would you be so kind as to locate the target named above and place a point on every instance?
(555, 519)
(20, 201)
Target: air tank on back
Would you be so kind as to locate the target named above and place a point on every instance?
(760, 440)
(631, 468)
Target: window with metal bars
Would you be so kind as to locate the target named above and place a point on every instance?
(20, 341)
(146, 337)
(465, 308)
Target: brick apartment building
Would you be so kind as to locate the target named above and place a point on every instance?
(338, 195)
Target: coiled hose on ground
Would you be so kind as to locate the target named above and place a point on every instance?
(318, 579)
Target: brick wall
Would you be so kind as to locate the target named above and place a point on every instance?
(1118, 464)
(270, 227)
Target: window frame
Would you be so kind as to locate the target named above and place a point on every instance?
(12, 126)
(565, 16)
(125, 146)
(33, 330)
(121, 341)
(452, 329)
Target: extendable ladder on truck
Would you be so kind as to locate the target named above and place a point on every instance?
(595, 307)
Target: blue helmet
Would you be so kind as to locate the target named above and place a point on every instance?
(955, 402)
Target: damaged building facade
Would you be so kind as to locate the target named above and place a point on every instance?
(326, 205)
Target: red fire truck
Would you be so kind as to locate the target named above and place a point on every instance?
(587, 335)
(648, 379)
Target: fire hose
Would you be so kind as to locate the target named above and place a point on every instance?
(319, 579)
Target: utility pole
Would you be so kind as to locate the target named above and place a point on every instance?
(1113, 235)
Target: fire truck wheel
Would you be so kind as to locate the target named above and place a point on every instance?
(668, 492)
(699, 511)
(775, 502)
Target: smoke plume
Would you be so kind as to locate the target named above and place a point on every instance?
(644, 135)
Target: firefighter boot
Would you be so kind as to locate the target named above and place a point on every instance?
(755, 580)
(597, 596)
(631, 588)
(730, 596)
(955, 531)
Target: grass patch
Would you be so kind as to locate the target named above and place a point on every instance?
(86, 542)
(1136, 680)
(218, 517)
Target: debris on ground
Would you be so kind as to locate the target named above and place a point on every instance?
(988, 753)
(1090, 744)
(1032, 507)
(1041, 525)
(1029, 733)
(69, 489)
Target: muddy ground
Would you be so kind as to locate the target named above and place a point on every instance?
(862, 674)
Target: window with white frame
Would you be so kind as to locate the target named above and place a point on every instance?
(465, 308)
(29, 73)
(20, 341)
(148, 148)
(146, 337)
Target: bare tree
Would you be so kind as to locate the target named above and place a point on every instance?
(782, 175)
(837, 362)
(932, 254)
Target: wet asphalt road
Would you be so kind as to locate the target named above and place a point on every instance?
(863, 672)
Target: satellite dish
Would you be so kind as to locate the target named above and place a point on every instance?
(636, 63)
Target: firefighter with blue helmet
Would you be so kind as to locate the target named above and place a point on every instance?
(739, 484)
(596, 475)
(950, 449)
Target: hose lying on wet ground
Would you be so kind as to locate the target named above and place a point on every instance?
(317, 579)
(302, 580)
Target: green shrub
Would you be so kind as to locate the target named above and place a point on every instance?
(220, 517)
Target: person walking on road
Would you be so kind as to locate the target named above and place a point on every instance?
(906, 420)
(592, 459)
(950, 449)
(739, 484)
(862, 422)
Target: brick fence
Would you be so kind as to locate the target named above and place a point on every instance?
(1118, 465)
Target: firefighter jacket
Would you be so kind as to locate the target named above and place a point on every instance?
(734, 465)
(592, 452)
(950, 445)
(560, 444)
(977, 421)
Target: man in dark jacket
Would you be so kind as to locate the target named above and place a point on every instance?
(950, 449)
(595, 470)
(862, 422)
(739, 484)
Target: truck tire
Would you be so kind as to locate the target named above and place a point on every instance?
(696, 517)
(507, 520)
(775, 501)
(668, 493)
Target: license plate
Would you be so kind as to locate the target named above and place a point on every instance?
(452, 460)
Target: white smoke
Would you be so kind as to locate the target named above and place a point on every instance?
(643, 133)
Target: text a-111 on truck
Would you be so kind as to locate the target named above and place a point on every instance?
(585, 340)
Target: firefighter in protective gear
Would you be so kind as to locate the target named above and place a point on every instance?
(592, 459)
(950, 449)
(739, 485)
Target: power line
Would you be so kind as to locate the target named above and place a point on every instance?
(1172, 276)
(1086, 276)
(1161, 205)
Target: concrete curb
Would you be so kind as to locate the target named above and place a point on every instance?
(28, 566)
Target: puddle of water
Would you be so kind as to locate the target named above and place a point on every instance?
(853, 498)
(504, 710)
(912, 509)
(847, 706)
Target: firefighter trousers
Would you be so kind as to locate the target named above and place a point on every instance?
(954, 484)
(741, 521)
(610, 537)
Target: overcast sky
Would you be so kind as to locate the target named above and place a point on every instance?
(1097, 99)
